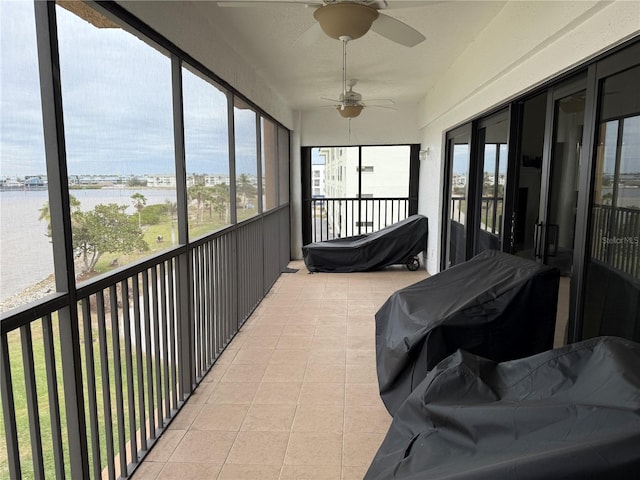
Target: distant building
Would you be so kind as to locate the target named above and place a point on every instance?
(382, 173)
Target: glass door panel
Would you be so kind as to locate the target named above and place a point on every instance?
(526, 211)
(493, 135)
(459, 155)
(612, 290)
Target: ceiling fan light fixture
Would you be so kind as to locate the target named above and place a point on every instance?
(350, 111)
(345, 19)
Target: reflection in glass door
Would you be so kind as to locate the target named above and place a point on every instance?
(612, 292)
(459, 148)
(493, 135)
(555, 239)
(544, 214)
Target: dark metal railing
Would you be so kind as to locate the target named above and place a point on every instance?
(490, 212)
(345, 217)
(105, 373)
(616, 238)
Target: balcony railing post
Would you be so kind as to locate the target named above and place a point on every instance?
(185, 332)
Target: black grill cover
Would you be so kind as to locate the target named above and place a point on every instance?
(495, 305)
(570, 413)
(392, 245)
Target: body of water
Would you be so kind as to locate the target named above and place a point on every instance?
(26, 254)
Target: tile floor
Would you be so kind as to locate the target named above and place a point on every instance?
(295, 394)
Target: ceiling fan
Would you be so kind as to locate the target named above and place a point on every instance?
(350, 103)
(351, 18)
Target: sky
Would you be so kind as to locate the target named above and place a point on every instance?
(117, 104)
(118, 108)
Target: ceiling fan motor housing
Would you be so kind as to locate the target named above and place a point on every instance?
(350, 111)
(345, 19)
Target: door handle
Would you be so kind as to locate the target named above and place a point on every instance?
(537, 237)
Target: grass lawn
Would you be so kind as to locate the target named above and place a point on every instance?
(20, 399)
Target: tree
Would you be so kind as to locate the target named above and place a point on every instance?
(105, 229)
(45, 212)
(139, 201)
(220, 199)
(172, 211)
(245, 189)
(201, 194)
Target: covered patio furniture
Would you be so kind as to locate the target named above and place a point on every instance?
(495, 305)
(569, 413)
(399, 243)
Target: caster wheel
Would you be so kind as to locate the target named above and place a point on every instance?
(413, 264)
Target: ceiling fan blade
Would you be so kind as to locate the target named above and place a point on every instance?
(330, 99)
(310, 36)
(397, 31)
(408, 4)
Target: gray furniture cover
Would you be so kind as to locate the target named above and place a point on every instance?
(570, 413)
(395, 244)
(495, 305)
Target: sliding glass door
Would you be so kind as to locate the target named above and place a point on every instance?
(457, 174)
(612, 288)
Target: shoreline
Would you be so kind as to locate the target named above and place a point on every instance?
(30, 294)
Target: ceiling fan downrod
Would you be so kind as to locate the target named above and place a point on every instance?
(345, 39)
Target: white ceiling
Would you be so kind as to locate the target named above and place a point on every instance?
(265, 35)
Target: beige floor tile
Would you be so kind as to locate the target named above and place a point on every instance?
(329, 329)
(190, 471)
(284, 373)
(243, 373)
(360, 448)
(358, 394)
(319, 418)
(269, 418)
(278, 393)
(270, 320)
(228, 355)
(325, 373)
(185, 417)
(203, 447)
(259, 448)
(294, 342)
(227, 418)
(266, 330)
(354, 473)
(295, 394)
(298, 330)
(233, 393)
(362, 373)
(329, 343)
(314, 449)
(252, 356)
(202, 393)
(322, 394)
(290, 356)
(366, 419)
(361, 330)
(310, 472)
(319, 356)
(148, 470)
(262, 342)
(249, 472)
(361, 343)
(165, 446)
(358, 356)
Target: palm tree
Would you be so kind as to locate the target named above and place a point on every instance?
(139, 201)
(45, 212)
(199, 193)
(172, 210)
